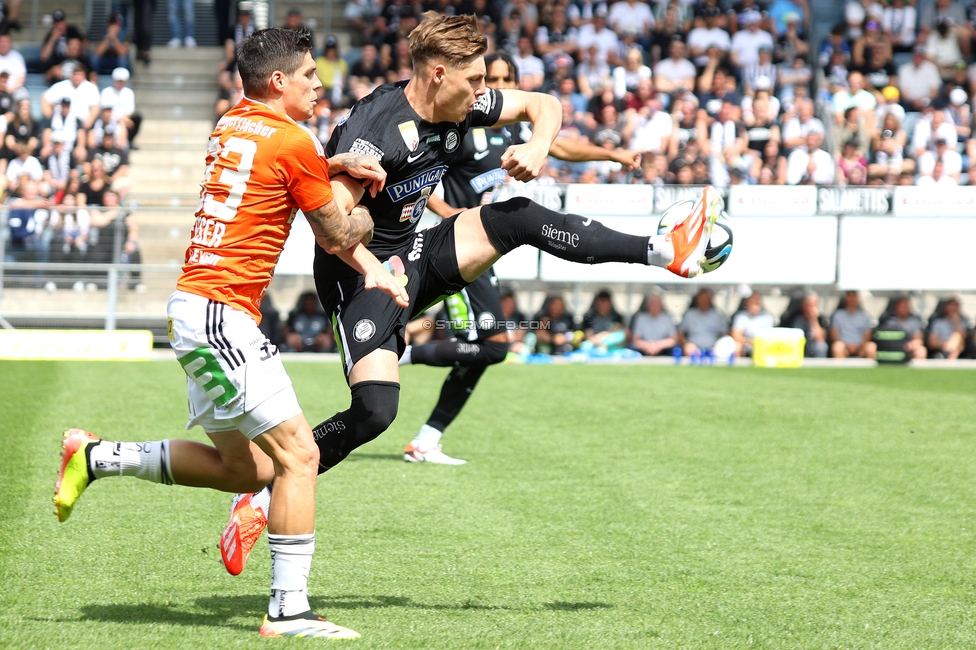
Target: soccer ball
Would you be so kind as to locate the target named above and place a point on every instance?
(719, 244)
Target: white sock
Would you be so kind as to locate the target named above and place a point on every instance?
(427, 438)
(262, 500)
(660, 252)
(406, 358)
(146, 460)
(291, 561)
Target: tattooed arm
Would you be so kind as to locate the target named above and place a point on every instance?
(343, 228)
(334, 231)
(367, 169)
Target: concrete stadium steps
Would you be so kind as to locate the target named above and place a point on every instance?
(164, 236)
(179, 84)
(185, 201)
(176, 96)
(66, 303)
(168, 156)
(163, 179)
(182, 132)
(315, 16)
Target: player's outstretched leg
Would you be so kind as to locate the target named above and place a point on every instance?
(232, 464)
(86, 458)
(457, 388)
(484, 234)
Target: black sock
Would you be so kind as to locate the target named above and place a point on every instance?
(372, 411)
(455, 392)
(447, 353)
(519, 221)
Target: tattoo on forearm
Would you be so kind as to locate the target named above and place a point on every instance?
(337, 231)
(347, 161)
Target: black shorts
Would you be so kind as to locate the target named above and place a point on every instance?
(369, 320)
(475, 312)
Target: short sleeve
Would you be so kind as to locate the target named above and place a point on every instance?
(301, 162)
(488, 109)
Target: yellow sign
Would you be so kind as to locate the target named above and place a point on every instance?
(95, 345)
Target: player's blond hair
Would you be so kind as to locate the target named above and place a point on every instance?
(452, 39)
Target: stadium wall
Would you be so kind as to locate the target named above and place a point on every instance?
(869, 238)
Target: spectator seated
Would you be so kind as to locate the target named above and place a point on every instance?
(307, 328)
(652, 330)
(850, 330)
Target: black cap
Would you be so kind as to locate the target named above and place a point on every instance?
(57, 16)
(940, 141)
(294, 11)
(331, 41)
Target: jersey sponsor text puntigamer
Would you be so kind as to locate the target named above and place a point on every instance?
(415, 153)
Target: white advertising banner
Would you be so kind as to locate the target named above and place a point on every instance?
(801, 250)
(772, 201)
(299, 252)
(934, 202)
(89, 345)
(604, 200)
(907, 254)
(521, 264)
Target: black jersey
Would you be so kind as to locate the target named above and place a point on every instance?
(415, 155)
(472, 178)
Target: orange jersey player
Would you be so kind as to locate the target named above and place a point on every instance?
(262, 167)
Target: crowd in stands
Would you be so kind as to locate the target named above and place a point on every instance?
(701, 332)
(710, 91)
(69, 120)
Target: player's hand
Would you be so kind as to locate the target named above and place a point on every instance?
(367, 169)
(629, 159)
(392, 284)
(523, 162)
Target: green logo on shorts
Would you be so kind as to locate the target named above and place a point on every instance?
(202, 362)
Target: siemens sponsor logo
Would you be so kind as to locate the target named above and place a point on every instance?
(427, 178)
(557, 237)
(488, 180)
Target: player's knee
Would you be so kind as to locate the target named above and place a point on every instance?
(375, 406)
(297, 453)
(494, 352)
(514, 204)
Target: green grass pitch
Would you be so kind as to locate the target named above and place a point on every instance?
(602, 507)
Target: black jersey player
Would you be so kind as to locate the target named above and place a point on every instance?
(475, 312)
(416, 129)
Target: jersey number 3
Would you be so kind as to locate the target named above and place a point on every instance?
(236, 157)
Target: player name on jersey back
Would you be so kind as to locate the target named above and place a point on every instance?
(262, 167)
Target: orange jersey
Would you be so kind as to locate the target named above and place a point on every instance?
(261, 167)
